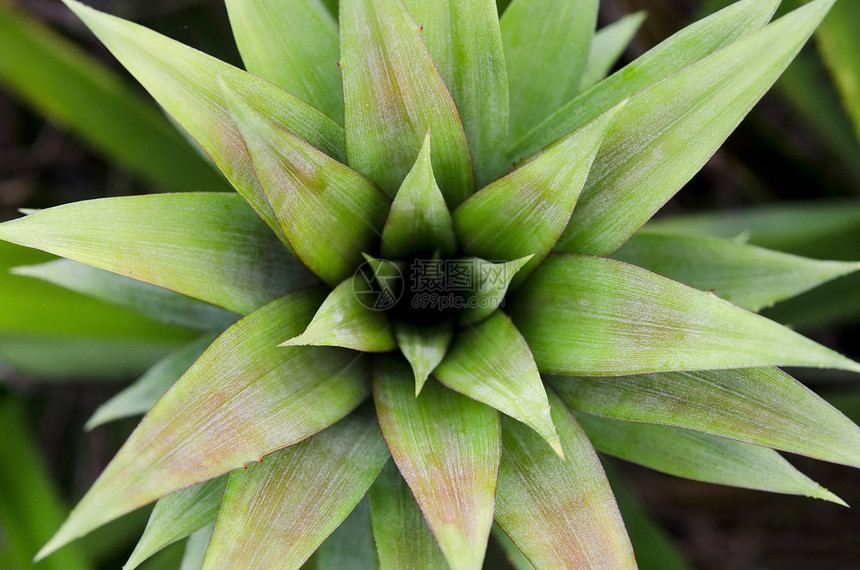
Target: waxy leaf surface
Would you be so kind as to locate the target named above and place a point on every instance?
(393, 96)
(464, 40)
(608, 45)
(665, 134)
(177, 516)
(526, 212)
(244, 398)
(342, 320)
(447, 447)
(419, 220)
(747, 276)
(188, 84)
(277, 512)
(208, 246)
(560, 513)
(700, 456)
(403, 539)
(491, 363)
(590, 316)
(293, 44)
(328, 212)
(546, 49)
(764, 406)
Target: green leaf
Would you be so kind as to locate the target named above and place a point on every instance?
(424, 347)
(546, 50)
(584, 315)
(447, 448)
(176, 516)
(139, 397)
(667, 133)
(608, 45)
(464, 40)
(560, 513)
(514, 555)
(419, 220)
(30, 506)
(205, 245)
(491, 284)
(491, 363)
(329, 213)
(839, 45)
(264, 398)
(671, 56)
(293, 44)
(745, 275)
(343, 320)
(276, 513)
(187, 83)
(351, 545)
(393, 96)
(154, 302)
(701, 457)
(195, 548)
(526, 212)
(763, 406)
(80, 94)
(403, 539)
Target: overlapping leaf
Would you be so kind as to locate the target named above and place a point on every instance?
(701, 457)
(686, 47)
(764, 406)
(293, 44)
(607, 46)
(321, 480)
(584, 315)
(351, 545)
(187, 83)
(546, 50)
(393, 96)
(491, 282)
(464, 40)
(208, 246)
(666, 133)
(244, 398)
(526, 212)
(560, 513)
(491, 363)
(424, 347)
(447, 447)
(745, 275)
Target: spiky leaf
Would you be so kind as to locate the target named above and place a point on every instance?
(424, 347)
(492, 281)
(607, 46)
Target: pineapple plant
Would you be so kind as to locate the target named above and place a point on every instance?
(435, 293)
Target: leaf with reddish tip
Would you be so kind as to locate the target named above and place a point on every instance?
(209, 246)
(329, 213)
(491, 363)
(764, 406)
(667, 132)
(424, 347)
(403, 539)
(277, 512)
(447, 448)
(684, 48)
(589, 316)
(465, 43)
(393, 96)
(244, 398)
(419, 220)
(608, 45)
(748, 276)
(561, 514)
(344, 321)
(526, 212)
(186, 83)
(491, 285)
(546, 49)
(143, 393)
(177, 516)
(701, 457)
(293, 44)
